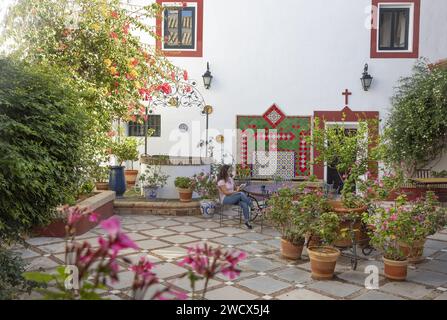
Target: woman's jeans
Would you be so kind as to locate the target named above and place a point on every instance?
(242, 200)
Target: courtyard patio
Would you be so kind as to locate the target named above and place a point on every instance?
(265, 275)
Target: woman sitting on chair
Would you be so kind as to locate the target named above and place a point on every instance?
(230, 196)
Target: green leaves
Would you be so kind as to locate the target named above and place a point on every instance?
(42, 133)
(416, 131)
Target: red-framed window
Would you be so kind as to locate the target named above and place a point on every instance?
(180, 28)
(395, 28)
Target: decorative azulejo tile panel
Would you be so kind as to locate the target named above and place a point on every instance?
(274, 131)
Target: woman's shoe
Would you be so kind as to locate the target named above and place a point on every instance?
(248, 225)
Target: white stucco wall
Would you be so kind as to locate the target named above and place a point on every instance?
(299, 54)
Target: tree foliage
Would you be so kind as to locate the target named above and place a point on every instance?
(104, 50)
(416, 130)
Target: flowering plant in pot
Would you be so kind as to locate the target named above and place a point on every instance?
(185, 187)
(428, 218)
(291, 221)
(151, 180)
(324, 256)
(388, 228)
(349, 152)
(205, 185)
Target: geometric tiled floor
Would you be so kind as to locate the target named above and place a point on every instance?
(265, 275)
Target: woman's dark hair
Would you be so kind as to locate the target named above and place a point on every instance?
(223, 173)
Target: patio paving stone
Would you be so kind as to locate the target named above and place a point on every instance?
(427, 278)
(264, 284)
(259, 264)
(303, 294)
(230, 293)
(334, 288)
(168, 270)
(406, 289)
(230, 240)
(294, 275)
(377, 295)
(151, 244)
(186, 229)
(158, 232)
(180, 239)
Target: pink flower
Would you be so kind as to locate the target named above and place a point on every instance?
(185, 75)
(112, 226)
(393, 217)
(94, 217)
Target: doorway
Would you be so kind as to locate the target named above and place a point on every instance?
(333, 177)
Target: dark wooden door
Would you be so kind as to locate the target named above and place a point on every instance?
(332, 175)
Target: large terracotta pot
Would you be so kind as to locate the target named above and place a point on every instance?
(185, 195)
(290, 250)
(415, 252)
(131, 177)
(102, 186)
(361, 237)
(338, 207)
(395, 270)
(323, 261)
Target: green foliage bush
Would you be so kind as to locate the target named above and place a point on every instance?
(41, 139)
(12, 283)
(417, 126)
(183, 183)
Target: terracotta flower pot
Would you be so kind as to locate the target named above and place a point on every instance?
(131, 177)
(102, 186)
(360, 236)
(185, 195)
(323, 261)
(338, 207)
(395, 270)
(415, 252)
(290, 250)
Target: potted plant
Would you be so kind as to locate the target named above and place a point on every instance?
(185, 188)
(151, 180)
(290, 221)
(427, 218)
(323, 257)
(100, 175)
(243, 173)
(205, 185)
(389, 227)
(126, 149)
(350, 153)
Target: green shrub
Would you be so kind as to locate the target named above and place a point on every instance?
(41, 140)
(183, 183)
(417, 126)
(12, 283)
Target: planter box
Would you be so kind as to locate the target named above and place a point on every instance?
(101, 204)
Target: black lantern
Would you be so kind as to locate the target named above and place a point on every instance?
(366, 78)
(207, 77)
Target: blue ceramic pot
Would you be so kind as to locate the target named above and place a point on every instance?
(150, 193)
(117, 180)
(207, 207)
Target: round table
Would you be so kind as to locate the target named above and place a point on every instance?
(264, 191)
